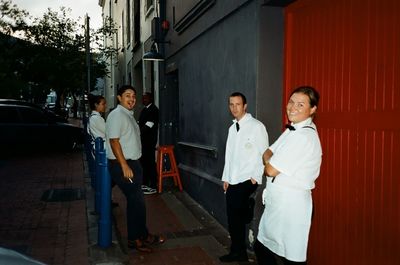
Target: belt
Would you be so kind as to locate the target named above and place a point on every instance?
(113, 161)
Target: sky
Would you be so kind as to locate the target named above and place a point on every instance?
(79, 8)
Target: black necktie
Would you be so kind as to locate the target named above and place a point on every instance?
(290, 127)
(237, 126)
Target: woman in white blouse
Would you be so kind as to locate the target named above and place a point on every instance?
(96, 124)
(292, 165)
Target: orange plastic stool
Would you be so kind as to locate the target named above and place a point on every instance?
(168, 150)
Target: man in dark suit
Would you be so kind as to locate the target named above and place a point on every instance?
(148, 123)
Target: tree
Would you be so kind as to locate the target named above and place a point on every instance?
(50, 56)
(106, 32)
(12, 19)
(11, 63)
(59, 58)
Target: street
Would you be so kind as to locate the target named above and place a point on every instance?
(42, 207)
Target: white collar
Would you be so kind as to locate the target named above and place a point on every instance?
(245, 117)
(129, 112)
(306, 122)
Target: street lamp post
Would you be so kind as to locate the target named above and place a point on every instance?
(87, 48)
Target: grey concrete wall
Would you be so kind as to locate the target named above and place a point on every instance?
(234, 46)
(206, 19)
(270, 83)
(270, 72)
(220, 61)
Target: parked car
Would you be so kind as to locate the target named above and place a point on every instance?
(50, 113)
(11, 257)
(26, 125)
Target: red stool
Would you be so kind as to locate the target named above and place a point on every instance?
(168, 150)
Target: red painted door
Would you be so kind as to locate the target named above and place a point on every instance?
(349, 50)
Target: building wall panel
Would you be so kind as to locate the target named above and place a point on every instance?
(350, 51)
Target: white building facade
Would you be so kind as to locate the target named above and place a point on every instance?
(131, 20)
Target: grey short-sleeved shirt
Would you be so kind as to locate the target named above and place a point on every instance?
(121, 124)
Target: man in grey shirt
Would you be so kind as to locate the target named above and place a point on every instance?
(123, 151)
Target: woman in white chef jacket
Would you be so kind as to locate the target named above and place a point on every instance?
(292, 165)
(96, 126)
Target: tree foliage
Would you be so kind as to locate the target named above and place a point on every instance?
(49, 55)
(12, 19)
(106, 32)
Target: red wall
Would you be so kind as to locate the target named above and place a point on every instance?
(350, 51)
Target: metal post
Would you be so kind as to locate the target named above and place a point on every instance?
(104, 225)
(99, 145)
(87, 48)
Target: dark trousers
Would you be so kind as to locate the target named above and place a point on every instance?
(149, 166)
(135, 205)
(237, 205)
(267, 257)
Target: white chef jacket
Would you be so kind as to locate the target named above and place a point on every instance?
(285, 224)
(244, 150)
(97, 125)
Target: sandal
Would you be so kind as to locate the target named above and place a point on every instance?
(139, 246)
(154, 239)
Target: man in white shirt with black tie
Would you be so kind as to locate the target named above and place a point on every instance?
(243, 171)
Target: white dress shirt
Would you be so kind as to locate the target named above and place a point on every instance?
(97, 125)
(244, 151)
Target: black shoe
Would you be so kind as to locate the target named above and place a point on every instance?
(139, 245)
(232, 257)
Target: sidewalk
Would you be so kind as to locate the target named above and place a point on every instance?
(43, 207)
(193, 236)
(47, 213)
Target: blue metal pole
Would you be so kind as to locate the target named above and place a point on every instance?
(104, 225)
(89, 150)
(99, 146)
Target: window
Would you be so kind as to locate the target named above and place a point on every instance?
(30, 115)
(128, 21)
(136, 24)
(116, 43)
(149, 76)
(123, 31)
(9, 114)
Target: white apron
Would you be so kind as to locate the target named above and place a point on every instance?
(285, 223)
